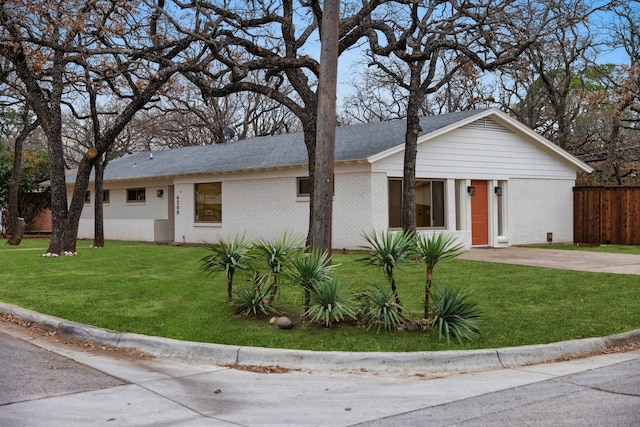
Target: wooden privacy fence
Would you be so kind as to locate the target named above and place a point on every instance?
(607, 215)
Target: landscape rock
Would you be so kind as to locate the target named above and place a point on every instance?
(284, 323)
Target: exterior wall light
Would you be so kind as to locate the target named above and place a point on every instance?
(498, 191)
(471, 190)
(160, 192)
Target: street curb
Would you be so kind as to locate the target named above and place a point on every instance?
(420, 361)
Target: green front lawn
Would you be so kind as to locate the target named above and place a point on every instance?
(159, 290)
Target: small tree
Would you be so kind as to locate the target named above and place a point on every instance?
(227, 256)
(390, 250)
(433, 249)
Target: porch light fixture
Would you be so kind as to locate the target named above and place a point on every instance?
(471, 190)
(498, 191)
(159, 193)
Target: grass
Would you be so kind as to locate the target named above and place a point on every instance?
(159, 290)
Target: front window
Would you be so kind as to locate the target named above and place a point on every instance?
(136, 195)
(208, 197)
(429, 203)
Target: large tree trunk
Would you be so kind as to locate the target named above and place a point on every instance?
(77, 203)
(326, 127)
(310, 141)
(14, 215)
(59, 208)
(408, 212)
(98, 226)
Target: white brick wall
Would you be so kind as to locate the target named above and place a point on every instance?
(352, 209)
(536, 207)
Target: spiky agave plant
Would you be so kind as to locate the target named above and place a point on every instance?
(327, 306)
(389, 250)
(455, 315)
(227, 256)
(377, 307)
(276, 254)
(307, 269)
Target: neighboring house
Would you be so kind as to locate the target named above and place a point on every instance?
(481, 176)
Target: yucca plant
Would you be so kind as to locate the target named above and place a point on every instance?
(455, 315)
(227, 256)
(389, 250)
(377, 307)
(276, 254)
(308, 269)
(252, 299)
(327, 307)
(433, 249)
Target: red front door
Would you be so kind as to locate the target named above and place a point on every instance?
(479, 214)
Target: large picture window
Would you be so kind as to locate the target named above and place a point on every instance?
(208, 198)
(429, 203)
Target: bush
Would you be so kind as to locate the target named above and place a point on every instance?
(327, 307)
(377, 307)
(455, 315)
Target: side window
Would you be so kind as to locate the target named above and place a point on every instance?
(136, 195)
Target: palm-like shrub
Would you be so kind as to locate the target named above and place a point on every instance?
(327, 307)
(227, 256)
(389, 250)
(276, 254)
(455, 315)
(377, 307)
(307, 269)
(433, 249)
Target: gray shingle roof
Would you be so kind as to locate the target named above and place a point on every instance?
(353, 142)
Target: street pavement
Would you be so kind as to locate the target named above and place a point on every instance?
(58, 384)
(46, 380)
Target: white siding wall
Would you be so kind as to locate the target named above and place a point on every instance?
(477, 151)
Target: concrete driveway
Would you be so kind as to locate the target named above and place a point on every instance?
(598, 262)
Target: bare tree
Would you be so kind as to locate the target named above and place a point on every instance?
(623, 99)
(551, 72)
(276, 39)
(66, 53)
(377, 96)
(423, 46)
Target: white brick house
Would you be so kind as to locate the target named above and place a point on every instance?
(482, 176)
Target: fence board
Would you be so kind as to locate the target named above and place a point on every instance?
(606, 215)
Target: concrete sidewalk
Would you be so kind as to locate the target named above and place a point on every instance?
(156, 391)
(597, 262)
